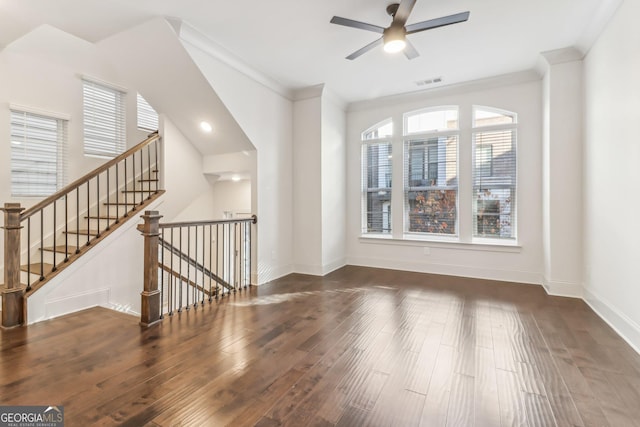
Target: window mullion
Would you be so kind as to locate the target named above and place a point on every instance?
(397, 190)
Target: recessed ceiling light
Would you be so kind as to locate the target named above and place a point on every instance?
(206, 127)
(235, 178)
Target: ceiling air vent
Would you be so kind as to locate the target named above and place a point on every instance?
(429, 81)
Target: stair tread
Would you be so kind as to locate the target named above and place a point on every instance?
(83, 231)
(105, 216)
(149, 180)
(121, 203)
(60, 248)
(137, 191)
(36, 268)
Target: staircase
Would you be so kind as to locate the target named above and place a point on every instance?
(43, 240)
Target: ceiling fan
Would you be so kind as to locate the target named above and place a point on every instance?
(394, 37)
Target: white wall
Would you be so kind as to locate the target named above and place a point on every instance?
(611, 173)
(230, 196)
(188, 190)
(334, 183)
(307, 185)
(521, 264)
(562, 178)
(266, 118)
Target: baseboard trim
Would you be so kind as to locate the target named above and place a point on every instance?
(562, 289)
(627, 328)
(319, 270)
(515, 276)
(72, 303)
(266, 275)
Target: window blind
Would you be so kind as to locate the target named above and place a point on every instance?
(38, 158)
(494, 183)
(104, 120)
(147, 116)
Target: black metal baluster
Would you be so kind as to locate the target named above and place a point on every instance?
(41, 244)
(239, 226)
(180, 268)
(195, 271)
(251, 248)
(155, 143)
(217, 255)
(107, 200)
(97, 203)
(141, 176)
(77, 220)
(133, 178)
(149, 173)
(188, 264)
(126, 207)
(243, 283)
(204, 247)
(55, 203)
(66, 227)
(210, 260)
(162, 276)
(224, 264)
(29, 254)
(171, 291)
(88, 205)
(117, 189)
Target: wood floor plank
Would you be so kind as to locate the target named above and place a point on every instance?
(359, 346)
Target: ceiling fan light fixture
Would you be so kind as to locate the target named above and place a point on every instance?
(395, 46)
(394, 40)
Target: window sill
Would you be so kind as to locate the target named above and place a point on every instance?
(442, 243)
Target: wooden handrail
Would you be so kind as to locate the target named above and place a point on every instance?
(83, 180)
(253, 219)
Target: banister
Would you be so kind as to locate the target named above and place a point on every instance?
(80, 181)
(253, 219)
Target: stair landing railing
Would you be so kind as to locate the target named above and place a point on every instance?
(42, 240)
(187, 264)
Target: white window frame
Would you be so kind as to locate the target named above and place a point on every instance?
(104, 121)
(514, 205)
(409, 137)
(25, 141)
(464, 239)
(386, 206)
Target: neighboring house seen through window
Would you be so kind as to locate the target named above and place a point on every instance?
(376, 178)
(432, 180)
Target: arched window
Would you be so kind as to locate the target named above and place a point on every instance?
(494, 173)
(376, 178)
(431, 171)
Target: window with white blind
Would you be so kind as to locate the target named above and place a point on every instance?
(431, 171)
(38, 158)
(376, 178)
(494, 173)
(147, 116)
(104, 120)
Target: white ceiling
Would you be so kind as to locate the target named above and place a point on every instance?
(293, 43)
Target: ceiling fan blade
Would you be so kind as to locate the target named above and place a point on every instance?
(410, 50)
(438, 22)
(365, 49)
(403, 12)
(356, 24)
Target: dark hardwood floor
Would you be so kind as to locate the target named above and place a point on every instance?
(359, 347)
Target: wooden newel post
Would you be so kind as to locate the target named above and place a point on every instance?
(12, 291)
(150, 307)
